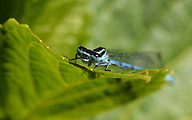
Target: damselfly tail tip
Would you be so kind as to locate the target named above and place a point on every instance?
(170, 79)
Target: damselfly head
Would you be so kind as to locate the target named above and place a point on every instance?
(81, 50)
(84, 53)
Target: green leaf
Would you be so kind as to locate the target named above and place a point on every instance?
(38, 83)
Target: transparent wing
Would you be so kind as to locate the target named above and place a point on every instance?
(145, 59)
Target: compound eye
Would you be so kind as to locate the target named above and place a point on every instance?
(81, 48)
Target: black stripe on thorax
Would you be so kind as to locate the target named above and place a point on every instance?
(98, 49)
(93, 52)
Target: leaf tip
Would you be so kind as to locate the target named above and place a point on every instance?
(13, 19)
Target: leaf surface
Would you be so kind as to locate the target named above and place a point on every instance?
(38, 83)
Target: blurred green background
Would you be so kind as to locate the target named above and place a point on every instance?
(163, 26)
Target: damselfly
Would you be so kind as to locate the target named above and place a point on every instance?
(99, 57)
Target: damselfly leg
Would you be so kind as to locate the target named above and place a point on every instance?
(73, 58)
(103, 64)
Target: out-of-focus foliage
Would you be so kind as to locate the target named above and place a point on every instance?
(134, 25)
